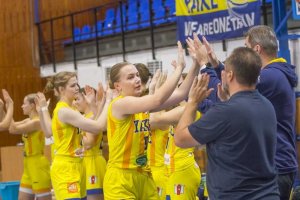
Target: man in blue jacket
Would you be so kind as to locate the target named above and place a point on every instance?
(276, 82)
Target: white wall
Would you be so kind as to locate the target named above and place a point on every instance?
(89, 73)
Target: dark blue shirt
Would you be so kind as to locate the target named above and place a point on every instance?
(240, 144)
(277, 82)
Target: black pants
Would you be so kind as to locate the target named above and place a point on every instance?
(285, 184)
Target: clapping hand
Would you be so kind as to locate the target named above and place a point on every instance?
(212, 58)
(199, 90)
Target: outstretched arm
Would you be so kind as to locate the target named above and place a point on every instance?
(130, 104)
(45, 118)
(28, 126)
(198, 92)
(199, 59)
(160, 120)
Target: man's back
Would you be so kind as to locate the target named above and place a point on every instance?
(276, 83)
(241, 147)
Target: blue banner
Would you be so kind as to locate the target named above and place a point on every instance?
(216, 19)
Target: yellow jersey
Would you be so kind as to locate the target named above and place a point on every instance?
(177, 158)
(127, 140)
(66, 137)
(156, 147)
(34, 143)
(96, 149)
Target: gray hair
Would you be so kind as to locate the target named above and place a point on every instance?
(265, 37)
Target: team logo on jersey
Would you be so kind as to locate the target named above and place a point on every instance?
(72, 187)
(141, 160)
(178, 189)
(93, 179)
(141, 125)
(159, 191)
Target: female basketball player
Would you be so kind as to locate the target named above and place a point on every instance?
(35, 181)
(67, 171)
(128, 175)
(93, 159)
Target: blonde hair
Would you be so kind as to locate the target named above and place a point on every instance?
(30, 98)
(59, 80)
(115, 73)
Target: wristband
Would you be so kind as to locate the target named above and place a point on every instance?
(45, 108)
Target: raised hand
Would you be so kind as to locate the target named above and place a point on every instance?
(180, 57)
(197, 50)
(191, 48)
(212, 58)
(201, 51)
(110, 94)
(100, 94)
(162, 79)
(90, 95)
(8, 100)
(40, 101)
(199, 90)
(153, 81)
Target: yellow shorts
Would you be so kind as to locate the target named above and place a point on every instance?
(36, 175)
(95, 167)
(129, 184)
(68, 178)
(184, 184)
(160, 179)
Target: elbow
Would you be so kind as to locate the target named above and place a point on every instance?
(178, 140)
(4, 126)
(97, 129)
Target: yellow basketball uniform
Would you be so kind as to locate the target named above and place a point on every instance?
(128, 175)
(67, 170)
(36, 174)
(182, 170)
(155, 153)
(95, 166)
